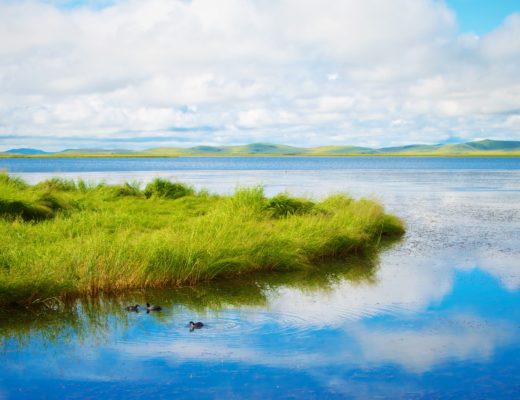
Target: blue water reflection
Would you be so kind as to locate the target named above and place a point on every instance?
(466, 345)
(438, 316)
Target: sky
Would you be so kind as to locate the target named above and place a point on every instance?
(150, 73)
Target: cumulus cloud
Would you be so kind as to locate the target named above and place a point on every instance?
(299, 72)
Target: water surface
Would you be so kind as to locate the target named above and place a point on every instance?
(437, 315)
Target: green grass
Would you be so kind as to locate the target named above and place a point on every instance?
(64, 238)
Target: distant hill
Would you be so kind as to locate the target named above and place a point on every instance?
(340, 150)
(412, 148)
(478, 147)
(96, 151)
(265, 148)
(481, 147)
(493, 145)
(24, 150)
(247, 149)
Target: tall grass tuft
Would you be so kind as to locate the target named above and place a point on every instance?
(166, 189)
(19, 201)
(282, 205)
(12, 181)
(126, 189)
(57, 184)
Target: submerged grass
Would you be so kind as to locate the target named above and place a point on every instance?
(65, 238)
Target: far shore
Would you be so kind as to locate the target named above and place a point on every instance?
(480, 148)
(108, 155)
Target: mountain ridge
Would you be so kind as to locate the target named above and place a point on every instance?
(486, 146)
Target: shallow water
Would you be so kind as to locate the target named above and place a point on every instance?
(436, 316)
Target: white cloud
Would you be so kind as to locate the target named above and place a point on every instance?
(421, 350)
(257, 71)
(418, 349)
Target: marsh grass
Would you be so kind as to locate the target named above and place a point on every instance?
(62, 238)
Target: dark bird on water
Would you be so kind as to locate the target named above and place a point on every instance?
(153, 308)
(133, 308)
(195, 325)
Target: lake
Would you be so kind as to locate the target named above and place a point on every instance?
(437, 315)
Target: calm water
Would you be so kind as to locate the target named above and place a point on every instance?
(437, 316)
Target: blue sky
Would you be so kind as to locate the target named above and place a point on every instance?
(481, 16)
(136, 73)
(477, 16)
(71, 4)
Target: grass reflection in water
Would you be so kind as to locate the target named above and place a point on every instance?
(94, 317)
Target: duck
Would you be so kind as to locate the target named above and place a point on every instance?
(195, 325)
(133, 308)
(153, 308)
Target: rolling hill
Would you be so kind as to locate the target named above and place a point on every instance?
(481, 147)
(26, 151)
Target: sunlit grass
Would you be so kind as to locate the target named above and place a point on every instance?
(67, 238)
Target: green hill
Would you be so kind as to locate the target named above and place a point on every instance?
(26, 151)
(469, 148)
(246, 149)
(495, 145)
(339, 150)
(413, 148)
(481, 147)
(96, 152)
(264, 148)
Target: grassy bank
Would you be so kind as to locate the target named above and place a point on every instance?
(61, 238)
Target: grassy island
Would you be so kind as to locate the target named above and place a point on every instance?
(63, 238)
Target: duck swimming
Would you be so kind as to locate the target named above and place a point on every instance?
(152, 308)
(133, 308)
(195, 325)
